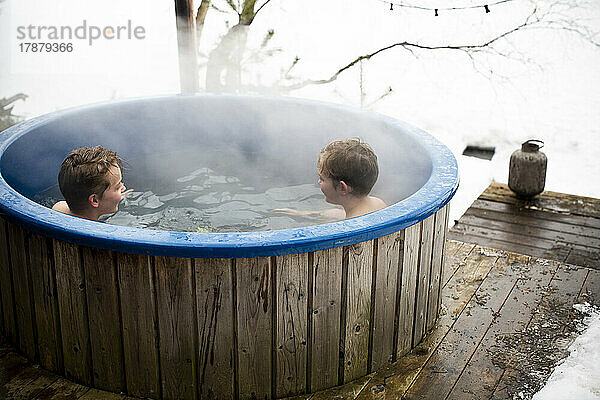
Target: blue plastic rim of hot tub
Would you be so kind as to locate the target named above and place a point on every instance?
(31, 153)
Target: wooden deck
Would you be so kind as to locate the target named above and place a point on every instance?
(506, 319)
(552, 225)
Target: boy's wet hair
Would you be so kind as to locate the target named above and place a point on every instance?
(84, 172)
(351, 161)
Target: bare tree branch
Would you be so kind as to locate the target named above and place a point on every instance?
(381, 97)
(233, 6)
(261, 7)
(554, 15)
(247, 15)
(200, 17)
(292, 65)
(468, 49)
(212, 6)
(7, 118)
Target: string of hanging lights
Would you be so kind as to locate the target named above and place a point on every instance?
(436, 10)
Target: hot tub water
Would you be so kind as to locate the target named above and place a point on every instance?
(203, 192)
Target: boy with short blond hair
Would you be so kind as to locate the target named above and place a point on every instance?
(90, 180)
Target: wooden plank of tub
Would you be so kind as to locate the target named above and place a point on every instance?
(423, 279)
(176, 326)
(291, 340)
(445, 257)
(24, 311)
(104, 319)
(358, 309)
(6, 287)
(43, 280)
(2, 332)
(138, 313)
(72, 306)
(3, 265)
(326, 278)
(254, 308)
(384, 310)
(214, 296)
(439, 238)
(406, 313)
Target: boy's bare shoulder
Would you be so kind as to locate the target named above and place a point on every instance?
(367, 205)
(62, 207)
(377, 203)
(373, 204)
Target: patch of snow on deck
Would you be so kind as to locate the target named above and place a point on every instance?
(578, 376)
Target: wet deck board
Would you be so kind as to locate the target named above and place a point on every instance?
(554, 226)
(481, 373)
(554, 310)
(499, 309)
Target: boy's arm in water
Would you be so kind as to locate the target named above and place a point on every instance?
(367, 205)
(331, 214)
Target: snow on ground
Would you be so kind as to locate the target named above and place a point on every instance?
(578, 375)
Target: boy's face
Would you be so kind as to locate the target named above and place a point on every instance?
(329, 189)
(110, 198)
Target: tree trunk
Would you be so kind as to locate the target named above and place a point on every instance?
(188, 62)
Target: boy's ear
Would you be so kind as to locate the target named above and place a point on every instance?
(93, 200)
(344, 188)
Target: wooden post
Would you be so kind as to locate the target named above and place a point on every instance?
(188, 64)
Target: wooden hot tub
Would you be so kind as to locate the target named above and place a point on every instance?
(248, 314)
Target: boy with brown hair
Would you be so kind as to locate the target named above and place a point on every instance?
(90, 180)
(348, 171)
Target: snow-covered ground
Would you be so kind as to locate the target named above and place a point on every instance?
(496, 102)
(577, 377)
